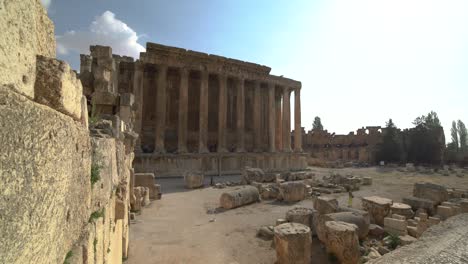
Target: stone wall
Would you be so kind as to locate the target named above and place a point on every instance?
(45, 171)
(65, 190)
(357, 147)
(27, 31)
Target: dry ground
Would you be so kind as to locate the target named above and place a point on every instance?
(184, 227)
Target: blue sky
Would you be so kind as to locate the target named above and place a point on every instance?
(360, 62)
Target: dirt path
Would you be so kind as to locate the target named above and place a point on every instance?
(181, 227)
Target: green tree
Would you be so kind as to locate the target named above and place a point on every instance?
(390, 150)
(317, 125)
(454, 133)
(462, 136)
(426, 141)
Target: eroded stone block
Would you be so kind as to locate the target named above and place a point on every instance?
(58, 87)
(293, 243)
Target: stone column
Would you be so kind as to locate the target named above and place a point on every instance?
(161, 109)
(203, 123)
(279, 123)
(183, 109)
(138, 91)
(257, 110)
(222, 114)
(297, 121)
(286, 120)
(240, 115)
(271, 117)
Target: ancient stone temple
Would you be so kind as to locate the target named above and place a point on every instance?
(195, 111)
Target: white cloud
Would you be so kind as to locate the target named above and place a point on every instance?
(46, 3)
(105, 30)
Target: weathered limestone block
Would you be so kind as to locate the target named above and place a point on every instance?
(399, 217)
(444, 212)
(267, 191)
(456, 208)
(147, 180)
(433, 192)
(120, 210)
(433, 220)
(406, 240)
(360, 221)
(193, 179)
(377, 207)
(104, 163)
(292, 191)
(326, 205)
(45, 169)
(250, 175)
(297, 176)
(395, 226)
(301, 215)
(366, 181)
(402, 209)
(420, 203)
(104, 98)
(376, 230)
(280, 221)
(464, 206)
(413, 231)
(27, 31)
(342, 240)
(239, 196)
(58, 87)
(293, 243)
(266, 232)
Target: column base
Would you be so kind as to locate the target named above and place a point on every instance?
(222, 150)
(182, 150)
(159, 151)
(299, 150)
(203, 150)
(240, 150)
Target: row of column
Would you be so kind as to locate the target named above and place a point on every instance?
(280, 125)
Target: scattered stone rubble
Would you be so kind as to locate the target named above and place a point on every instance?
(297, 186)
(358, 236)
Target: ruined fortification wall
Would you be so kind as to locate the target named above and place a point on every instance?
(64, 187)
(357, 147)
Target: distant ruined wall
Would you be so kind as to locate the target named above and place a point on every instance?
(357, 147)
(64, 179)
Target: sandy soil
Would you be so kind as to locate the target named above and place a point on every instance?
(186, 227)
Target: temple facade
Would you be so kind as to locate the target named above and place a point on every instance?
(195, 111)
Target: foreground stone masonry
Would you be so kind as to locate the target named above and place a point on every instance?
(27, 31)
(66, 187)
(45, 172)
(293, 243)
(189, 105)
